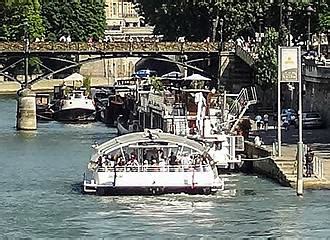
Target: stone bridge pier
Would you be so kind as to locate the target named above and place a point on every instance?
(26, 118)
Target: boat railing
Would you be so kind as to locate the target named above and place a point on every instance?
(148, 168)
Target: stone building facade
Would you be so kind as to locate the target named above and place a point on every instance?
(123, 22)
(316, 89)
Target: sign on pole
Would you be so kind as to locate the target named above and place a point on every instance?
(289, 70)
(289, 64)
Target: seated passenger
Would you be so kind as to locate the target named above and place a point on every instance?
(145, 165)
(173, 160)
(100, 161)
(162, 165)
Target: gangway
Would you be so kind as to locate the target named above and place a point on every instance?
(238, 108)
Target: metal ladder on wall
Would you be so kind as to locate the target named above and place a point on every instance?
(238, 108)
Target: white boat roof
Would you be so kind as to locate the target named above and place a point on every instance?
(143, 137)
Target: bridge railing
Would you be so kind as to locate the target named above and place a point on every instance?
(114, 47)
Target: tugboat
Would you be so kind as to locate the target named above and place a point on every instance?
(75, 107)
(150, 163)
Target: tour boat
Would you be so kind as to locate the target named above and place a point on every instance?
(150, 163)
(75, 107)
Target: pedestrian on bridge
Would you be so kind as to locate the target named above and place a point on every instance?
(62, 38)
(68, 39)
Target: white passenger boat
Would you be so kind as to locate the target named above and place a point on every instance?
(150, 163)
(76, 107)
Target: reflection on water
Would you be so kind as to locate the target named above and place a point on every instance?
(40, 196)
(26, 135)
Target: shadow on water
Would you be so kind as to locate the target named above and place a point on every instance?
(249, 192)
(76, 188)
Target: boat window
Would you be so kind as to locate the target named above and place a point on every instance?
(78, 95)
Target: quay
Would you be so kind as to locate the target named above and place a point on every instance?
(44, 86)
(283, 169)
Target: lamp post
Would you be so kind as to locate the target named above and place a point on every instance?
(26, 52)
(260, 13)
(309, 11)
(220, 50)
(214, 28)
(221, 36)
(289, 11)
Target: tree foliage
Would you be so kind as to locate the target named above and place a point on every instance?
(266, 63)
(177, 18)
(79, 19)
(20, 17)
(193, 19)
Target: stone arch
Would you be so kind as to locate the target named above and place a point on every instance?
(162, 67)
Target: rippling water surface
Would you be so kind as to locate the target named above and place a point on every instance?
(39, 196)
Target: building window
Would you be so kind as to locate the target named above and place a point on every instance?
(114, 9)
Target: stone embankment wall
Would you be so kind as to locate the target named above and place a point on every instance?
(317, 89)
(9, 87)
(264, 164)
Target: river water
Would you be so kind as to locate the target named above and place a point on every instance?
(39, 196)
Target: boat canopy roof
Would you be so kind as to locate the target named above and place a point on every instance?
(154, 138)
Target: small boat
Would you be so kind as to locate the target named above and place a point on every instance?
(125, 125)
(43, 107)
(150, 163)
(76, 107)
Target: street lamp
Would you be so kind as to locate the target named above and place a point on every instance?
(260, 13)
(220, 50)
(221, 28)
(26, 52)
(309, 11)
(214, 28)
(289, 11)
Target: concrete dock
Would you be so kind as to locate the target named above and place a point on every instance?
(284, 169)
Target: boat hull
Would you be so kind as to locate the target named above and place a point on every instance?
(160, 190)
(74, 115)
(121, 129)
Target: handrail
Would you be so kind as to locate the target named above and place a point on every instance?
(147, 168)
(318, 167)
(116, 46)
(150, 46)
(245, 56)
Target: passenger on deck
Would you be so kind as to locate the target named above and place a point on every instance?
(173, 159)
(100, 161)
(160, 155)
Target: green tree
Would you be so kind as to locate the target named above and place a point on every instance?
(266, 63)
(20, 17)
(194, 19)
(79, 19)
(87, 81)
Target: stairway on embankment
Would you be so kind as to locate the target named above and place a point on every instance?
(284, 169)
(287, 164)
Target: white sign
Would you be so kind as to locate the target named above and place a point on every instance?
(289, 64)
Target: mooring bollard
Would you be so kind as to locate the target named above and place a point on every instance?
(26, 110)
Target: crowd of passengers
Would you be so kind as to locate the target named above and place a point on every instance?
(147, 160)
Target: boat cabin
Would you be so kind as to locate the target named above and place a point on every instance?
(151, 162)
